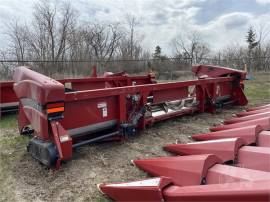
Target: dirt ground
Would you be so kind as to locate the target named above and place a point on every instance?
(24, 179)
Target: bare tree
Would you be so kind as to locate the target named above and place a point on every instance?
(103, 40)
(132, 22)
(191, 46)
(5, 68)
(260, 52)
(17, 35)
(53, 29)
(130, 47)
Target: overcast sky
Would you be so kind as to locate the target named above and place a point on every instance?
(220, 22)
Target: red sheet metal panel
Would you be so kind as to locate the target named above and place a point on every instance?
(161, 96)
(202, 71)
(39, 121)
(7, 94)
(241, 114)
(143, 190)
(34, 91)
(257, 158)
(35, 86)
(183, 170)
(225, 149)
(221, 174)
(247, 118)
(237, 192)
(263, 122)
(248, 134)
(108, 82)
(259, 107)
(264, 139)
(224, 89)
(92, 113)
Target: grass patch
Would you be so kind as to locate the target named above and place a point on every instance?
(257, 90)
(13, 142)
(8, 121)
(12, 147)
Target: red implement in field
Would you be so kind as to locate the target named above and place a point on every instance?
(71, 113)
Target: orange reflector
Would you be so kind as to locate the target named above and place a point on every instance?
(56, 109)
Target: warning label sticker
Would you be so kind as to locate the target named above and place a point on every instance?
(103, 107)
(104, 112)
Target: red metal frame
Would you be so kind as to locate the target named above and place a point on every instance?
(95, 103)
(9, 100)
